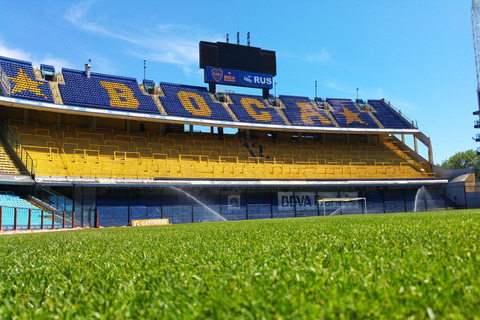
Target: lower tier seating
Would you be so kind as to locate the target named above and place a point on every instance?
(25, 211)
(78, 152)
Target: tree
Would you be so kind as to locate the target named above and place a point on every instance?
(464, 159)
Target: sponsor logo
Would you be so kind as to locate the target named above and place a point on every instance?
(217, 74)
(253, 79)
(152, 222)
(233, 202)
(238, 78)
(248, 79)
(229, 77)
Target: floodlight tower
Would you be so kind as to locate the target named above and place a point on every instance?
(476, 47)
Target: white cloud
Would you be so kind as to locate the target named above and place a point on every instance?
(374, 93)
(320, 57)
(168, 43)
(336, 87)
(20, 54)
(15, 53)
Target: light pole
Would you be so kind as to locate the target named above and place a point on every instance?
(357, 93)
(315, 89)
(144, 67)
(275, 93)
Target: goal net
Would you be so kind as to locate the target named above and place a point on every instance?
(337, 206)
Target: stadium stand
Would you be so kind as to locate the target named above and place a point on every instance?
(190, 101)
(348, 115)
(9, 203)
(23, 81)
(105, 91)
(249, 108)
(388, 117)
(7, 165)
(301, 111)
(107, 150)
(75, 151)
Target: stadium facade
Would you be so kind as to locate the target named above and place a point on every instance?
(94, 149)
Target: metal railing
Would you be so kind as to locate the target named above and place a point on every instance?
(4, 83)
(11, 139)
(400, 113)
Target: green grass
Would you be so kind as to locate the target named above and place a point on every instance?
(396, 266)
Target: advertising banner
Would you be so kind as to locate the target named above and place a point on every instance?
(302, 200)
(258, 80)
(308, 201)
(223, 76)
(238, 78)
(233, 202)
(152, 222)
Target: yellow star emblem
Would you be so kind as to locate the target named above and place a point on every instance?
(24, 83)
(351, 116)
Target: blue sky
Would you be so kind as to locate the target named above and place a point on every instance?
(416, 54)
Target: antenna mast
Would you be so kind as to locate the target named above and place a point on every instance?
(476, 38)
(476, 48)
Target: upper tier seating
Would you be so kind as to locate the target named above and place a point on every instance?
(388, 117)
(105, 91)
(347, 114)
(123, 93)
(250, 108)
(189, 101)
(301, 111)
(22, 81)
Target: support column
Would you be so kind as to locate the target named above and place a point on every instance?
(25, 116)
(190, 128)
(127, 125)
(430, 151)
(220, 133)
(415, 144)
(59, 120)
(161, 129)
(93, 125)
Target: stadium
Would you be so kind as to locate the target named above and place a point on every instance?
(103, 150)
(123, 197)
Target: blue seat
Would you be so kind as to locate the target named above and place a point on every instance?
(250, 108)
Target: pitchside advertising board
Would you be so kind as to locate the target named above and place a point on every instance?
(151, 222)
(287, 201)
(238, 78)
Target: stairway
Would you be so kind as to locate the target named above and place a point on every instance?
(7, 166)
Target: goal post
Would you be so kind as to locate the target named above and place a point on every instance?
(343, 205)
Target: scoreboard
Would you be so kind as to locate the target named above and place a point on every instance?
(238, 65)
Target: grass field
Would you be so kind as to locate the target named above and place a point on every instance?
(395, 266)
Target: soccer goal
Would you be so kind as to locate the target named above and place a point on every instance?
(337, 206)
